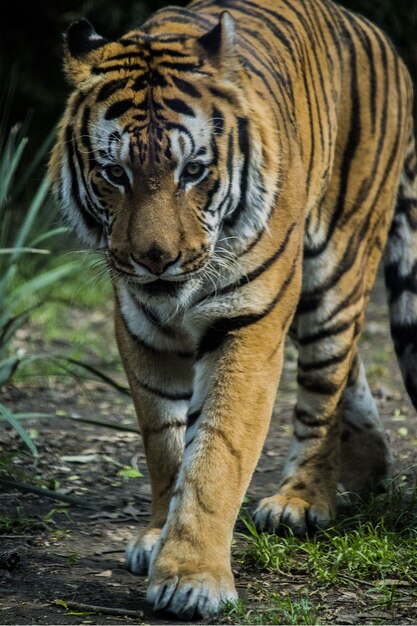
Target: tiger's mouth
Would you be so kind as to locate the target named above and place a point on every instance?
(160, 287)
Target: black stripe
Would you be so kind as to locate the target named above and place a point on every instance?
(91, 221)
(85, 137)
(217, 121)
(309, 420)
(78, 99)
(216, 334)
(405, 207)
(179, 106)
(186, 87)
(333, 360)
(224, 95)
(179, 67)
(352, 298)
(117, 68)
(110, 88)
(183, 129)
(248, 278)
(349, 151)
(144, 343)
(317, 385)
(404, 336)
(327, 332)
(397, 283)
(244, 147)
(210, 194)
(156, 430)
(163, 394)
(192, 418)
(118, 109)
(411, 387)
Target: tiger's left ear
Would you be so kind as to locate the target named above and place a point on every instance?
(82, 49)
(218, 46)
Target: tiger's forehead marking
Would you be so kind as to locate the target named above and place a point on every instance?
(152, 107)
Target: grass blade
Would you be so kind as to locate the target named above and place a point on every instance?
(12, 166)
(39, 282)
(24, 250)
(8, 415)
(99, 374)
(84, 420)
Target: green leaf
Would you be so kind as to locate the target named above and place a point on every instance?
(25, 250)
(61, 603)
(48, 235)
(80, 613)
(34, 207)
(129, 472)
(19, 429)
(8, 174)
(37, 283)
(7, 369)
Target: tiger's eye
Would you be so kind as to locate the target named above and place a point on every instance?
(115, 171)
(193, 170)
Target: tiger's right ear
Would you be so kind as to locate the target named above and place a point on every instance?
(82, 49)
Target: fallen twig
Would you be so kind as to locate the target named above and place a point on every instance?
(356, 580)
(79, 606)
(54, 495)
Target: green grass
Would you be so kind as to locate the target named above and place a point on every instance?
(370, 553)
(280, 610)
(372, 547)
(74, 322)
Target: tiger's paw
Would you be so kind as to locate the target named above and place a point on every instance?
(139, 552)
(190, 591)
(301, 516)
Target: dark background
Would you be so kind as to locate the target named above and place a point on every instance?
(31, 45)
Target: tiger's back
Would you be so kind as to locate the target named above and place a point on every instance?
(240, 164)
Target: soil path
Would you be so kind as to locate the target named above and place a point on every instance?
(74, 554)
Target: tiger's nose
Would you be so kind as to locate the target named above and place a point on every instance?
(155, 259)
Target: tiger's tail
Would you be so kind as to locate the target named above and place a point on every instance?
(400, 264)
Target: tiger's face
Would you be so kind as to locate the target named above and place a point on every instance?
(154, 179)
(147, 164)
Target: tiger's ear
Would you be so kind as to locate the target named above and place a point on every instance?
(218, 45)
(82, 49)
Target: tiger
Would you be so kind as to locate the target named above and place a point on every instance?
(242, 165)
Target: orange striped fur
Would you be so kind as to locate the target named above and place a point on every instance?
(242, 165)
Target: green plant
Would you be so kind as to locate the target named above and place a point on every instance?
(23, 280)
(17, 523)
(128, 472)
(280, 610)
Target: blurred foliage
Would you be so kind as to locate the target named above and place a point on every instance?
(26, 273)
(31, 42)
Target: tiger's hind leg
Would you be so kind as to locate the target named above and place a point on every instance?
(306, 497)
(327, 327)
(365, 457)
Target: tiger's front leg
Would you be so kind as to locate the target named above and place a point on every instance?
(160, 380)
(235, 384)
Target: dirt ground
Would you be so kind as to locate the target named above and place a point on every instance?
(73, 554)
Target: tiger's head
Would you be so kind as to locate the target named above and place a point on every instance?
(153, 160)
